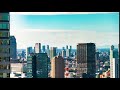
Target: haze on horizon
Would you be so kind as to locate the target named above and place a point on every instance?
(61, 29)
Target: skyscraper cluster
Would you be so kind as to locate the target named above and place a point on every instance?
(50, 62)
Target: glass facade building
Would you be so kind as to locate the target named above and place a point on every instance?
(37, 65)
(13, 48)
(86, 60)
(4, 45)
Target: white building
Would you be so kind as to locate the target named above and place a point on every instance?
(37, 47)
(114, 64)
(114, 68)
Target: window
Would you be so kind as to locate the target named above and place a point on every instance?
(4, 25)
(6, 59)
(4, 50)
(4, 16)
(3, 67)
(4, 34)
(4, 42)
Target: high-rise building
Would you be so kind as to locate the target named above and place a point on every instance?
(52, 52)
(48, 51)
(71, 47)
(67, 52)
(38, 48)
(114, 68)
(97, 61)
(4, 45)
(30, 59)
(40, 65)
(29, 50)
(57, 67)
(114, 63)
(63, 53)
(23, 54)
(66, 46)
(48, 47)
(86, 60)
(13, 48)
(43, 48)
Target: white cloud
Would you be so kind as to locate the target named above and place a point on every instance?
(56, 13)
(62, 38)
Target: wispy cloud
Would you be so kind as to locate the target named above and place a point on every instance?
(61, 38)
(57, 13)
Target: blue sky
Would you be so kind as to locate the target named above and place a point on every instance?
(97, 24)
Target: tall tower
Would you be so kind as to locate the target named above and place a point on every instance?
(38, 48)
(114, 63)
(13, 48)
(86, 60)
(63, 53)
(29, 50)
(57, 67)
(48, 51)
(43, 48)
(4, 45)
(52, 52)
(37, 64)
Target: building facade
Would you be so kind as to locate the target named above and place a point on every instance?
(38, 48)
(37, 65)
(43, 49)
(29, 50)
(4, 45)
(52, 52)
(114, 63)
(63, 53)
(57, 67)
(13, 48)
(29, 66)
(40, 65)
(86, 60)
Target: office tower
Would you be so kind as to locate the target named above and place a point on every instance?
(29, 50)
(40, 65)
(48, 47)
(34, 49)
(30, 59)
(114, 63)
(57, 67)
(37, 64)
(66, 46)
(97, 61)
(63, 53)
(52, 52)
(13, 48)
(4, 45)
(86, 60)
(63, 48)
(114, 68)
(67, 52)
(43, 48)
(48, 51)
(113, 52)
(70, 47)
(38, 48)
(23, 54)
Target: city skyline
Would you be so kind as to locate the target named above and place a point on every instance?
(61, 29)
